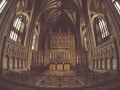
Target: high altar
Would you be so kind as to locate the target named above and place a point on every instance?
(59, 51)
(59, 66)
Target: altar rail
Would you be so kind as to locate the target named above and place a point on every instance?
(22, 80)
(99, 77)
(22, 86)
(104, 56)
(82, 80)
(20, 76)
(87, 79)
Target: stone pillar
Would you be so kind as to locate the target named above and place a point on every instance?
(15, 63)
(19, 63)
(22, 63)
(5, 62)
(35, 59)
(105, 64)
(98, 32)
(108, 64)
(100, 64)
(11, 63)
(39, 59)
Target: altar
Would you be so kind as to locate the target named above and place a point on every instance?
(59, 66)
(59, 73)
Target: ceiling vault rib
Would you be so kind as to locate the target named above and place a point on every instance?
(59, 13)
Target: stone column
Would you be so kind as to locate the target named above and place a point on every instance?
(11, 63)
(16, 63)
(105, 64)
(98, 32)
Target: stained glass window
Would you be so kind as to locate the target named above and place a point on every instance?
(33, 42)
(86, 41)
(2, 5)
(117, 5)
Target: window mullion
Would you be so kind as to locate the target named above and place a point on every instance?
(16, 37)
(12, 35)
(103, 28)
(107, 33)
(118, 9)
(100, 28)
(2, 5)
(102, 32)
(117, 5)
(16, 22)
(18, 25)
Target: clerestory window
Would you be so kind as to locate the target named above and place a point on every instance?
(86, 41)
(2, 5)
(33, 41)
(117, 5)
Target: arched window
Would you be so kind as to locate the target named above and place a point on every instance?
(16, 28)
(86, 41)
(2, 5)
(117, 5)
(103, 27)
(33, 41)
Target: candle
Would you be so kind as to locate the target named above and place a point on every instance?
(69, 55)
(50, 54)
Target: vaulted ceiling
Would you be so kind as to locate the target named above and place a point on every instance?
(58, 12)
(56, 8)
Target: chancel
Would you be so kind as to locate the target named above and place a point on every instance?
(59, 44)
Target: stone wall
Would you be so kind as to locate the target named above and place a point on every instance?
(37, 59)
(104, 56)
(15, 55)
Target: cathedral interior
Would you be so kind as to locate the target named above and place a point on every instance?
(59, 44)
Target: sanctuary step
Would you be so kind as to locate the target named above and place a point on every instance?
(60, 73)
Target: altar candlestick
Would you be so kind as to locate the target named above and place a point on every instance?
(42, 59)
(50, 54)
(69, 55)
(77, 59)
